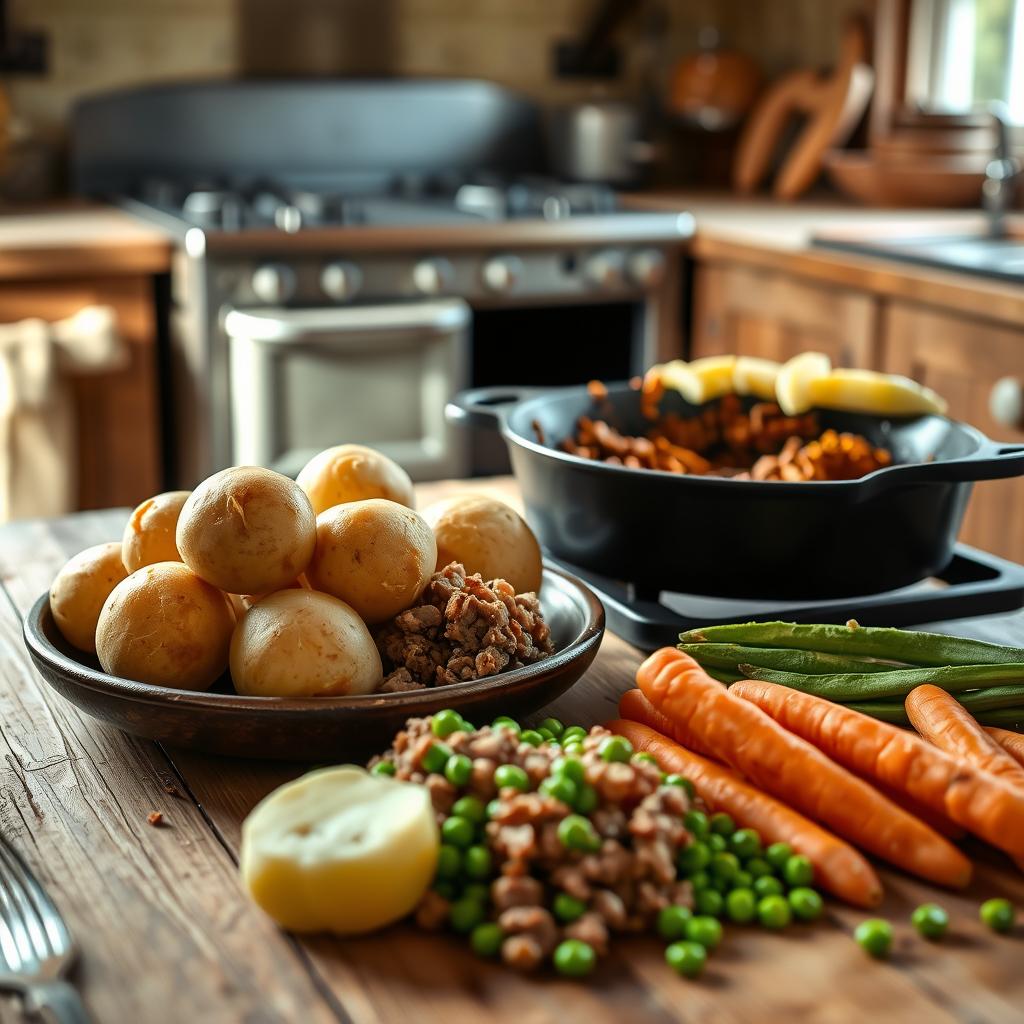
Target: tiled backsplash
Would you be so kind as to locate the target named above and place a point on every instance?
(101, 44)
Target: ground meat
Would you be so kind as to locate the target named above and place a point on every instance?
(464, 629)
(591, 929)
(511, 891)
(531, 935)
(432, 912)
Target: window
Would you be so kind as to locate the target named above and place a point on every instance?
(965, 53)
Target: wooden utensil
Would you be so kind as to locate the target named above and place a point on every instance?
(929, 181)
(833, 105)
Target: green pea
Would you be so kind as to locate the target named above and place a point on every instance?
(458, 832)
(567, 908)
(642, 757)
(615, 748)
(572, 747)
(477, 862)
(383, 768)
(553, 726)
(574, 959)
(436, 757)
(696, 823)
(777, 854)
(722, 824)
(479, 891)
(671, 922)
(504, 722)
(574, 732)
(458, 770)
(493, 808)
(743, 880)
(561, 787)
(758, 866)
(699, 881)
(445, 888)
(708, 902)
(930, 920)
(874, 936)
(570, 767)
(774, 912)
(445, 722)
(998, 914)
(587, 799)
(531, 736)
(465, 914)
(577, 833)
(706, 931)
(687, 959)
(486, 939)
(768, 885)
(470, 808)
(680, 780)
(545, 734)
(798, 871)
(745, 843)
(717, 842)
(449, 862)
(806, 904)
(511, 776)
(694, 857)
(719, 884)
(724, 866)
(741, 905)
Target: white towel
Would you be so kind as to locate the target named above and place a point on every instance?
(38, 452)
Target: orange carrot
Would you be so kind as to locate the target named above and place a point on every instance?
(838, 866)
(933, 819)
(982, 803)
(1011, 742)
(941, 719)
(793, 770)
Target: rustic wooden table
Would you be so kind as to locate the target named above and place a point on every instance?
(168, 935)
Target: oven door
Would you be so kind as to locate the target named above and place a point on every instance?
(302, 380)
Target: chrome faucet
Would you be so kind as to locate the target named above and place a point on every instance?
(1000, 186)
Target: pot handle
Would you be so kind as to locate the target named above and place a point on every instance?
(486, 408)
(992, 461)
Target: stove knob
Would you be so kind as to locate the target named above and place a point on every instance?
(502, 273)
(341, 281)
(605, 269)
(433, 276)
(273, 282)
(646, 267)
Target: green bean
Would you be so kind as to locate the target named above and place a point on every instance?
(893, 712)
(860, 641)
(848, 686)
(991, 697)
(813, 663)
(721, 674)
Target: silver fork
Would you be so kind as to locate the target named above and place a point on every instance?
(36, 948)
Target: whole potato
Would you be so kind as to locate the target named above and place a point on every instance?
(374, 554)
(81, 587)
(247, 530)
(353, 472)
(149, 533)
(487, 537)
(166, 626)
(302, 643)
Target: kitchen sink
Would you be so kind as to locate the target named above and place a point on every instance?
(983, 255)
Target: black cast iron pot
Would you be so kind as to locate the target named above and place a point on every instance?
(741, 538)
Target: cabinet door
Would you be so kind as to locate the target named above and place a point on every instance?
(117, 414)
(749, 311)
(962, 359)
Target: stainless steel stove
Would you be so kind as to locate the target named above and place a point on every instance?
(352, 253)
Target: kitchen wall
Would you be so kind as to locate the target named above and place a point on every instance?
(99, 44)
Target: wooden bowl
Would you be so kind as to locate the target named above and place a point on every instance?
(929, 181)
(328, 728)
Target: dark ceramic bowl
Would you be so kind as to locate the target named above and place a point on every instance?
(326, 729)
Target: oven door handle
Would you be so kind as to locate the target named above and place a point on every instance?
(281, 326)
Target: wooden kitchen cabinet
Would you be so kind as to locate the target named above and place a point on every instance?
(117, 413)
(755, 311)
(962, 358)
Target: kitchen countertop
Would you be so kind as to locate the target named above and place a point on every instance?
(76, 239)
(167, 934)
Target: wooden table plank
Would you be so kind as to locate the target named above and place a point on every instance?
(812, 973)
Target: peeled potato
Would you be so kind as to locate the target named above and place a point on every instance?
(353, 472)
(301, 643)
(247, 530)
(340, 850)
(375, 554)
(487, 537)
(81, 587)
(166, 626)
(149, 533)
